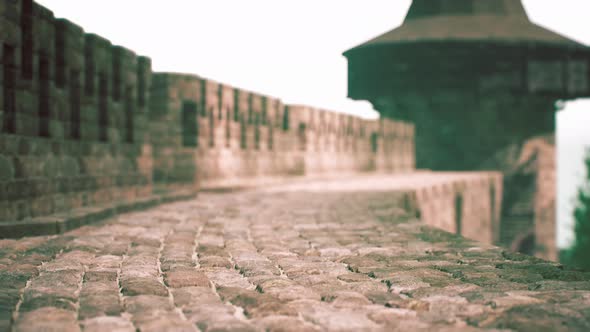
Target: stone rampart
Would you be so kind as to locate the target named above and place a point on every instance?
(72, 116)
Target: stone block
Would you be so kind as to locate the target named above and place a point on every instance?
(48, 319)
(105, 323)
(7, 171)
(186, 278)
(143, 286)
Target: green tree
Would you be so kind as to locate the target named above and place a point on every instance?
(579, 253)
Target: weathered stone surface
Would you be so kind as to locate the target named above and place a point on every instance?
(228, 278)
(191, 296)
(163, 321)
(541, 318)
(350, 300)
(215, 261)
(99, 299)
(53, 289)
(101, 275)
(190, 278)
(286, 262)
(143, 286)
(286, 324)
(6, 169)
(254, 303)
(147, 303)
(48, 319)
(105, 323)
(330, 318)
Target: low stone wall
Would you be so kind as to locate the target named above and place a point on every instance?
(466, 203)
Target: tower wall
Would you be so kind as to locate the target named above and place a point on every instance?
(477, 80)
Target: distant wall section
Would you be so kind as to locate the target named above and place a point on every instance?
(210, 134)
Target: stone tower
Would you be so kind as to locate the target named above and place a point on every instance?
(480, 82)
(474, 76)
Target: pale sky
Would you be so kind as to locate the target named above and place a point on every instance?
(292, 49)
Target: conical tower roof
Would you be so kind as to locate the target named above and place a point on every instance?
(496, 21)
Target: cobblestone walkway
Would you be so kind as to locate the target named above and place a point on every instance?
(280, 261)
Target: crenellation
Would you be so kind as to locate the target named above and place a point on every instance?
(144, 77)
(95, 101)
(127, 99)
(26, 39)
(116, 73)
(256, 104)
(211, 99)
(43, 30)
(230, 151)
(68, 50)
(173, 99)
(55, 98)
(68, 68)
(226, 104)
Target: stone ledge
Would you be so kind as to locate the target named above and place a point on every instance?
(60, 223)
(451, 201)
(232, 184)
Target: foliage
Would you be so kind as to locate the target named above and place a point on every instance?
(579, 253)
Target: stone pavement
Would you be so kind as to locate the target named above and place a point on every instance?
(273, 260)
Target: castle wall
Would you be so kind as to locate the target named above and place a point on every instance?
(208, 133)
(172, 151)
(72, 123)
(468, 204)
(463, 203)
(86, 123)
(446, 117)
(457, 129)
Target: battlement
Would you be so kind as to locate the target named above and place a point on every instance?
(236, 135)
(62, 83)
(72, 114)
(86, 122)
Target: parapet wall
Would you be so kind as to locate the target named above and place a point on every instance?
(468, 204)
(84, 122)
(227, 136)
(72, 116)
(463, 203)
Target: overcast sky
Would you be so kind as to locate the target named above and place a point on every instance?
(292, 49)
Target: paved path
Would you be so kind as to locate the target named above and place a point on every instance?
(280, 261)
